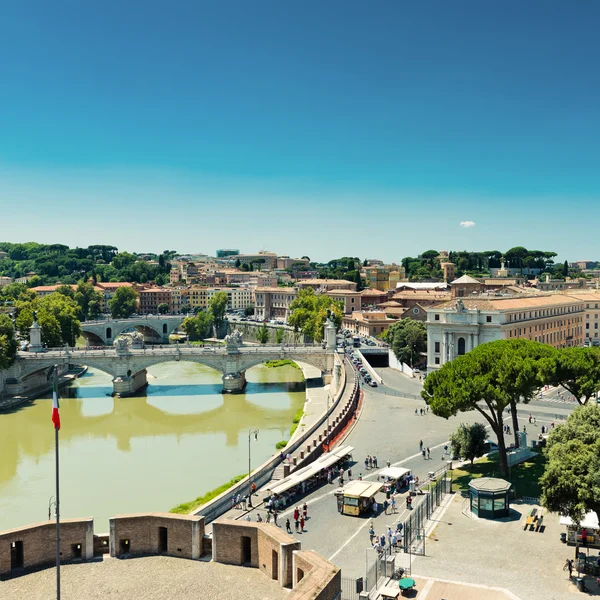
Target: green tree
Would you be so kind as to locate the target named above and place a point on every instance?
(65, 311)
(262, 335)
(198, 327)
(24, 320)
(279, 333)
(123, 303)
(488, 379)
(407, 339)
(218, 306)
(84, 295)
(468, 441)
(249, 310)
(163, 308)
(8, 344)
(576, 369)
(308, 313)
(565, 271)
(237, 263)
(571, 481)
(94, 309)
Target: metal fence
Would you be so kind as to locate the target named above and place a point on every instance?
(414, 526)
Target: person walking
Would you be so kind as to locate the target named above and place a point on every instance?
(569, 567)
(268, 517)
(390, 533)
(371, 533)
(393, 502)
(366, 463)
(296, 513)
(288, 526)
(301, 523)
(423, 452)
(420, 445)
(305, 511)
(389, 463)
(275, 518)
(428, 453)
(375, 462)
(297, 522)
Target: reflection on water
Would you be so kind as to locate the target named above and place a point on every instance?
(151, 452)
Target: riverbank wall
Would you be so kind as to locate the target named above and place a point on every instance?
(249, 329)
(302, 440)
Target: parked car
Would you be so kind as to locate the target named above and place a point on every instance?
(373, 383)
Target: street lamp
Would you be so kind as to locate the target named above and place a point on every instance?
(251, 432)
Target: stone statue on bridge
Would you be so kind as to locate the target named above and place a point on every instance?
(122, 344)
(234, 340)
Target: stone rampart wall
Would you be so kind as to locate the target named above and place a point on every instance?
(38, 543)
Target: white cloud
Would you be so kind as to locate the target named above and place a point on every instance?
(467, 223)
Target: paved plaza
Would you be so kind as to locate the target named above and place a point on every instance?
(148, 578)
(500, 553)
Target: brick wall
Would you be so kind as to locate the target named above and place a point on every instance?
(320, 579)
(39, 543)
(141, 534)
(266, 546)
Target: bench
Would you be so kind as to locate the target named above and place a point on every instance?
(539, 523)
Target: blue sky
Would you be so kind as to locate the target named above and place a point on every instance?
(321, 128)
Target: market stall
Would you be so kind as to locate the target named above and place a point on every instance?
(586, 533)
(396, 479)
(357, 497)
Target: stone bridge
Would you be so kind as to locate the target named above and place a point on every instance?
(127, 365)
(155, 329)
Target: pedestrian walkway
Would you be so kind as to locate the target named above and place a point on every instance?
(316, 405)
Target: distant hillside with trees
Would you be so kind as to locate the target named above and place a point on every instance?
(54, 263)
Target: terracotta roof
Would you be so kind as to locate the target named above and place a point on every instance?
(370, 292)
(113, 284)
(499, 304)
(433, 295)
(390, 304)
(465, 279)
(341, 293)
(591, 296)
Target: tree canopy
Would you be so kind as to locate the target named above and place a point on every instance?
(488, 379)
(8, 344)
(218, 307)
(123, 303)
(576, 369)
(262, 334)
(308, 313)
(571, 481)
(407, 339)
(198, 327)
(468, 441)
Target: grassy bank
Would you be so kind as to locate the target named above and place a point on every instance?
(281, 363)
(524, 477)
(188, 507)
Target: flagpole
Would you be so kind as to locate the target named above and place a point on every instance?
(57, 495)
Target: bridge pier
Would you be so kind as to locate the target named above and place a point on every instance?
(129, 384)
(234, 383)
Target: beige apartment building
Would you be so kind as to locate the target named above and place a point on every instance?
(384, 278)
(4, 281)
(326, 285)
(273, 302)
(367, 323)
(591, 300)
(238, 298)
(285, 262)
(461, 324)
(351, 301)
(151, 298)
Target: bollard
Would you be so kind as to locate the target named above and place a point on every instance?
(320, 437)
(295, 460)
(301, 455)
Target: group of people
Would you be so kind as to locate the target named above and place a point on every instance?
(392, 538)
(239, 501)
(421, 411)
(426, 452)
(371, 462)
(300, 518)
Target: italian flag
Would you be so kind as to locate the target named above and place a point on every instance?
(55, 415)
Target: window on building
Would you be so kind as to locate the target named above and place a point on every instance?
(437, 360)
(437, 347)
(488, 319)
(437, 317)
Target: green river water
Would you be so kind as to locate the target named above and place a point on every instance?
(176, 441)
